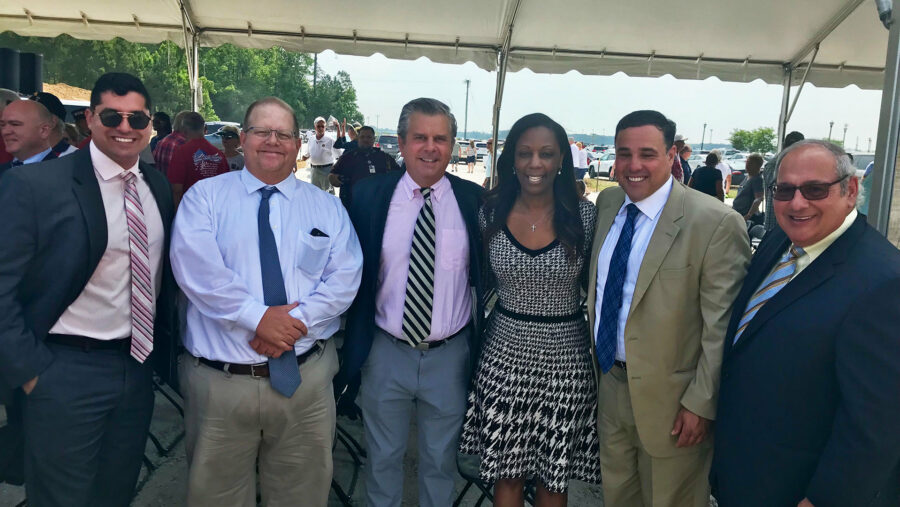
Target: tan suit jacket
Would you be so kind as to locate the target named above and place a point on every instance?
(690, 275)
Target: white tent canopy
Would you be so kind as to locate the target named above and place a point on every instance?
(830, 43)
(694, 39)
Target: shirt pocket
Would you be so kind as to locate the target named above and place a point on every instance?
(453, 249)
(313, 253)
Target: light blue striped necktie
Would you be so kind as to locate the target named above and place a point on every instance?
(779, 277)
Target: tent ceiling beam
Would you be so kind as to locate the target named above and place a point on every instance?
(825, 31)
(502, 59)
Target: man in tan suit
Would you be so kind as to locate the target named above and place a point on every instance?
(667, 264)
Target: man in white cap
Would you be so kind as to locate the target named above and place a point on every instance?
(321, 156)
(677, 170)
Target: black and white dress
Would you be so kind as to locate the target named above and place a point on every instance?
(533, 408)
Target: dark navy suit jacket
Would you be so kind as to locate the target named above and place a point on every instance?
(809, 404)
(54, 234)
(371, 199)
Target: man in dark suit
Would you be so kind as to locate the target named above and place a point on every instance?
(86, 303)
(26, 126)
(412, 329)
(808, 408)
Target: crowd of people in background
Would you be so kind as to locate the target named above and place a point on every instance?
(634, 337)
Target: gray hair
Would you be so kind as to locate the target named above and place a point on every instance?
(842, 165)
(427, 106)
(7, 96)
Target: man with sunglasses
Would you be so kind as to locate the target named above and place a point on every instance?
(86, 303)
(808, 409)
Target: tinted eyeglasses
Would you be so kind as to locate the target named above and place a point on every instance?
(138, 120)
(809, 191)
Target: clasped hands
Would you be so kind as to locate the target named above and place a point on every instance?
(277, 331)
(690, 428)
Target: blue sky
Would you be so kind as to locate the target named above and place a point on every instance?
(586, 104)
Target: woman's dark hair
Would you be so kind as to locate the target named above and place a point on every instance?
(500, 200)
(712, 160)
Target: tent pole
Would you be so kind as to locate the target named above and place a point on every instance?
(495, 130)
(785, 103)
(883, 200)
(196, 97)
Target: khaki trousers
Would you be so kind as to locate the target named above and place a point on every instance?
(633, 478)
(233, 420)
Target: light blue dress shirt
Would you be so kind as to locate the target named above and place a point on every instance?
(37, 157)
(215, 259)
(644, 225)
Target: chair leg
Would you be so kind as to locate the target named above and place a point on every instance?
(462, 494)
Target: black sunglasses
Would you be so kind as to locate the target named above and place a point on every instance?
(137, 120)
(809, 191)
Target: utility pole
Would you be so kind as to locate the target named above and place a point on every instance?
(315, 71)
(857, 144)
(466, 121)
(377, 121)
(702, 139)
(710, 137)
(870, 145)
(830, 126)
(844, 139)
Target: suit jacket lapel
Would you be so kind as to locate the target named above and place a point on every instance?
(161, 194)
(605, 217)
(379, 216)
(87, 192)
(814, 275)
(663, 236)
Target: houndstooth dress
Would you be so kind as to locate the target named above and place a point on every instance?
(533, 408)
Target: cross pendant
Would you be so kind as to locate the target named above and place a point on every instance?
(532, 227)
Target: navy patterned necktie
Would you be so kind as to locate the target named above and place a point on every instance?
(284, 374)
(612, 293)
(16, 163)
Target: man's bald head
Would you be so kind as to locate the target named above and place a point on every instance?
(25, 126)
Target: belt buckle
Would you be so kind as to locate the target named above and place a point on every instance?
(422, 346)
(253, 370)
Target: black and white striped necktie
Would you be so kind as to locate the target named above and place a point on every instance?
(420, 283)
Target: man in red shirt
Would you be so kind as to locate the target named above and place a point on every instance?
(194, 160)
(165, 148)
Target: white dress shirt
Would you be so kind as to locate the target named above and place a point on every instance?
(575, 154)
(582, 158)
(215, 259)
(322, 151)
(644, 225)
(103, 309)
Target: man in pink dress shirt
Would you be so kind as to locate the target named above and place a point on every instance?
(411, 332)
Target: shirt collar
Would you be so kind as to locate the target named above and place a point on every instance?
(37, 157)
(108, 168)
(286, 187)
(652, 205)
(816, 249)
(437, 190)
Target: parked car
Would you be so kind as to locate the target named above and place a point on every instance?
(696, 161)
(601, 166)
(481, 150)
(860, 161)
(388, 144)
(213, 126)
(738, 171)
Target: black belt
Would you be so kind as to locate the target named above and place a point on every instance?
(435, 344)
(88, 344)
(258, 370)
(314, 166)
(620, 364)
(579, 315)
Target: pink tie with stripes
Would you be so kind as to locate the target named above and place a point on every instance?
(141, 288)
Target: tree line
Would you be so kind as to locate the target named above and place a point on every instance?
(231, 78)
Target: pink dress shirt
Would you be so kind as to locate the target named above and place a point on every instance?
(452, 298)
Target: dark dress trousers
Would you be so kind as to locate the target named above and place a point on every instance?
(54, 232)
(369, 210)
(809, 404)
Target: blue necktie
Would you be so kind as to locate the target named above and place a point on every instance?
(284, 374)
(16, 163)
(612, 293)
(777, 279)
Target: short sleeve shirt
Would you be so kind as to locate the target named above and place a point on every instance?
(195, 160)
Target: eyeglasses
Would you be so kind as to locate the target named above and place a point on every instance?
(138, 120)
(263, 134)
(809, 191)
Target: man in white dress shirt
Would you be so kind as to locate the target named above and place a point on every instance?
(268, 264)
(322, 155)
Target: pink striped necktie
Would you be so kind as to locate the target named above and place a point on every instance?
(141, 288)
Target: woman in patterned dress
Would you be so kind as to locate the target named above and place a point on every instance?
(532, 410)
